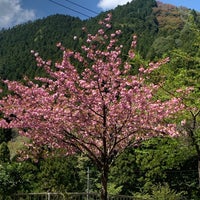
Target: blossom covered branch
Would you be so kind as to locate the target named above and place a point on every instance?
(98, 111)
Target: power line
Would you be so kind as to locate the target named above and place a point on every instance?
(82, 7)
(69, 8)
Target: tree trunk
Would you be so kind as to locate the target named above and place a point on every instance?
(199, 169)
(104, 182)
(198, 156)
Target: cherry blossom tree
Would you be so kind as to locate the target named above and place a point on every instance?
(99, 111)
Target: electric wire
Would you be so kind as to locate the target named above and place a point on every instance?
(69, 8)
(82, 7)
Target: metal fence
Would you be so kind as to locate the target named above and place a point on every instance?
(67, 196)
(39, 196)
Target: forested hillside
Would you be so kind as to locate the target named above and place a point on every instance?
(158, 167)
(160, 29)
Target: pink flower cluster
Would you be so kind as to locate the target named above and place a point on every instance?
(102, 108)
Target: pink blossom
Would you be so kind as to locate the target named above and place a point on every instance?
(108, 25)
(84, 28)
(101, 31)
(118, 32)
(183, 122)
(59, 44)
(131, 54)
(36, 54)
(141, 69)
(90, 101)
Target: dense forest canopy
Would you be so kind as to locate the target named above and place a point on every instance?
(160, 28)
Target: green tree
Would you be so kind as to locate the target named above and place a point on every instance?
(158, 158)
(125, 172)
(160, 192)
(4, 153)
(5, 135)
(58, 174)
(10, 179)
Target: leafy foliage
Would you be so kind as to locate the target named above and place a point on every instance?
(5, 135)
(160, 192)
(4, 153)
(10, 179)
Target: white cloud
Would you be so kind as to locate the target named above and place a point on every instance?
(11, 13)
(110, 4)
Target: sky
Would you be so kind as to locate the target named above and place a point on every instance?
(14, 12)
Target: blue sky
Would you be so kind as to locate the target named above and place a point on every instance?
(13, 12)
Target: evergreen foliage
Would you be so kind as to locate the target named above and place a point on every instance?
(4, 153)
(5, 135)
(160, 28)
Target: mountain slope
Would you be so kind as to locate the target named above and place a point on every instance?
(160, 28)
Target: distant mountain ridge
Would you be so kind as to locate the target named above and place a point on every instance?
(160, 28)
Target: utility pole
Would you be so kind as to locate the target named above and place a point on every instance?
(88, 182)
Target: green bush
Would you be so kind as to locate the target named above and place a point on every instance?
(160, 192)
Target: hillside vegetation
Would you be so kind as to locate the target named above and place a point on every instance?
(160, 29)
